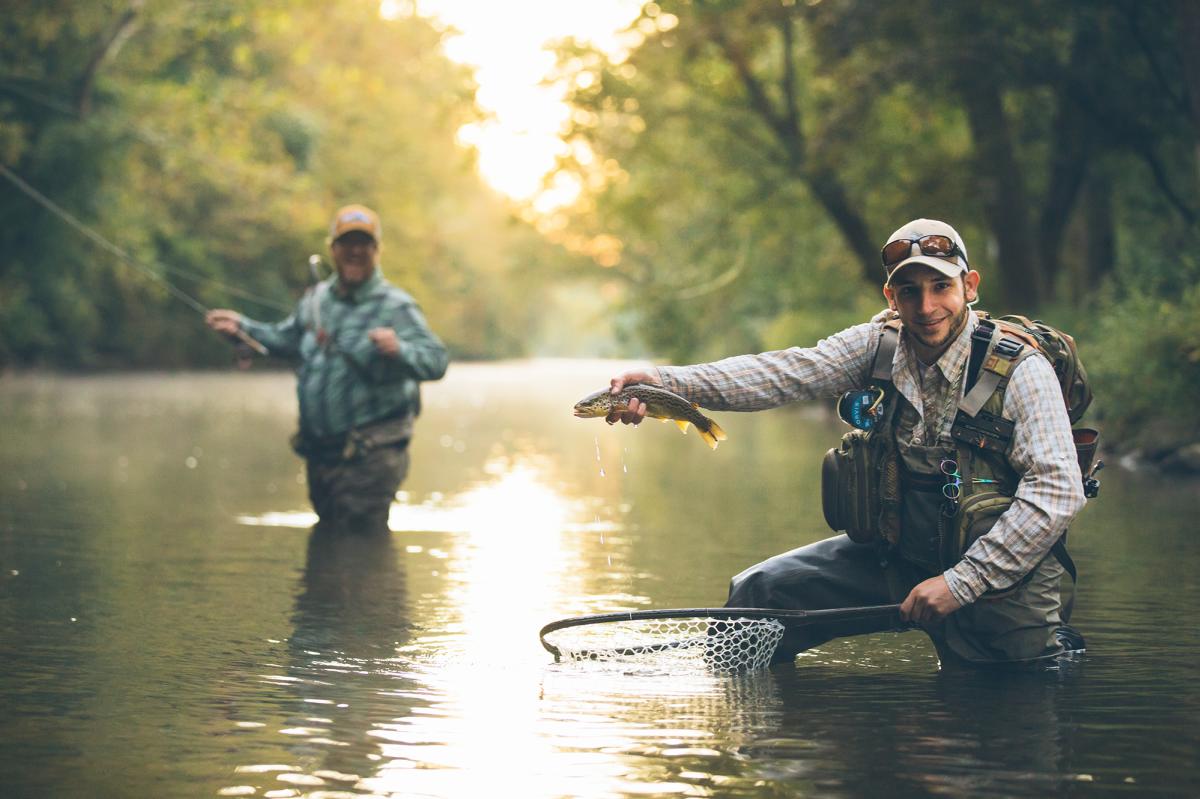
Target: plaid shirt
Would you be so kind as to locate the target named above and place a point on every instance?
(1043, 453)
(343, 381)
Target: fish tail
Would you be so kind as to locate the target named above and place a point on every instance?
(711, 432)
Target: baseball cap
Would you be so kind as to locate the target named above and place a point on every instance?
(355, 217)
(949, 265)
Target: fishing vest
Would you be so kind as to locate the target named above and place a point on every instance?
(861, 479)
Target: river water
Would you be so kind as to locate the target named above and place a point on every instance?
(170, 627)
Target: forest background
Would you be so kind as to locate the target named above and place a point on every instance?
(739, 168)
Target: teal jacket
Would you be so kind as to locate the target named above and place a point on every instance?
(343, 381)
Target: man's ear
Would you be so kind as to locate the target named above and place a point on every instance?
(891, 297)
(971, 285)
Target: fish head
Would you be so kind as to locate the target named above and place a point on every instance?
(599, 403)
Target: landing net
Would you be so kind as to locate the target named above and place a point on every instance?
(723, 645)
(729, 640)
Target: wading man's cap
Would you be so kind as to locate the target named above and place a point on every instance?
(355, 217)
(950, 266)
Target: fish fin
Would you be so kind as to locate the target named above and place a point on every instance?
(716, 431)
(682, 425)
(708, 438)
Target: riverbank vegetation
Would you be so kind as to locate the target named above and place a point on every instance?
(740, 166)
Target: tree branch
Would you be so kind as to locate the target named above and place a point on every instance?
(105, 50)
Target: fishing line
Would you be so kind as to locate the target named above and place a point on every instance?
(154, 274)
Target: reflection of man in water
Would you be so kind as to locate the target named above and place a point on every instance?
(353, 599)
(364, 347)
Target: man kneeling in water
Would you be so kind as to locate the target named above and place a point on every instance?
(994, 599)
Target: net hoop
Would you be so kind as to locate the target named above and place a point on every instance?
(772, 621)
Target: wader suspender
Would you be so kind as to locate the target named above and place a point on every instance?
(996, 355)
(325, 340)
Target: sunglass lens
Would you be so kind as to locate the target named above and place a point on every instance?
(936, 245)
(896, 251)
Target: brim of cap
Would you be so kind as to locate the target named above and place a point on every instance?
(947, 268)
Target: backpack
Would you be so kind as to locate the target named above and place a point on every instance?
(996, 348)
(1059, 348)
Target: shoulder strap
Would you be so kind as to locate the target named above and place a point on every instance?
(889, 339)
(994, 356)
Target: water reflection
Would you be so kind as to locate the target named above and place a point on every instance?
(352, 600)
(169, 625)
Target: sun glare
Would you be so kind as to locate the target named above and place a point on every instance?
(509, 46)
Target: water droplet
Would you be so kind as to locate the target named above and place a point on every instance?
(191, 462)
(601, 471)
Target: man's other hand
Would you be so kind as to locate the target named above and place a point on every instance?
(637, 410)
(929, 602)
(224, 321)
(385, 341)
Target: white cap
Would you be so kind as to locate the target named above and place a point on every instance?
(950, 266)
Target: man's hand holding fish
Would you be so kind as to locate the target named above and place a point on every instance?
(637, 409)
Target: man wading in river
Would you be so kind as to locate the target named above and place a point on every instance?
(966, 524)
(363, 347)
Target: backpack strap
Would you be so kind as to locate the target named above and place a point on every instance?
(997, 355)
(889, 340)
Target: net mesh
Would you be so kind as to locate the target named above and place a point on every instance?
(723, 645)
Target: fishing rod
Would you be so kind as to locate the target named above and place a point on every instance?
(124, 256)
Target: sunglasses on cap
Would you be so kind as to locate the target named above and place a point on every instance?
(936, 245)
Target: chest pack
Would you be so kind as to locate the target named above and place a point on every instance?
(861, 492)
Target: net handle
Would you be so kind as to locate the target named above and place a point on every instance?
(789, 618)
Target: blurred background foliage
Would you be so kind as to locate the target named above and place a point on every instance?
(740, 167)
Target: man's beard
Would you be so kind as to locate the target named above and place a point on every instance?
(956, 327)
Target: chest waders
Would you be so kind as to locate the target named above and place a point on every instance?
(879, 492)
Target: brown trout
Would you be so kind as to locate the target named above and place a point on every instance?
(660, 404)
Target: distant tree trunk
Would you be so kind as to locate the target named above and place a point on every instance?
(831, 194)
(1071, 149)
(107, 48)
(783, 119)
(1187, 13)
(1005, 200)
(1099, 230)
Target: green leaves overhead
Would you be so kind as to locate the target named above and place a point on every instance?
(809, 130)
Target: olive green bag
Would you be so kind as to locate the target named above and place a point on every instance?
(849, 488)
(860, 479)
